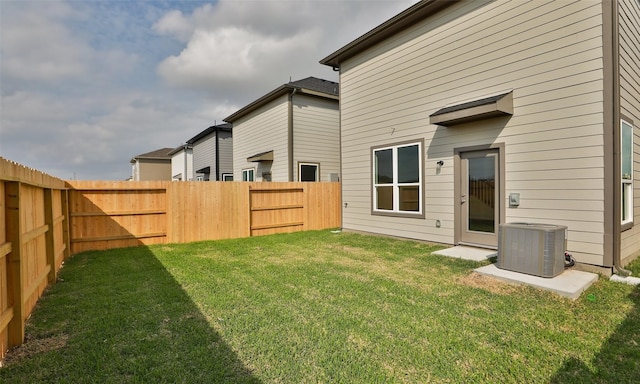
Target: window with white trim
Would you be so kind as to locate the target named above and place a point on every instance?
(227, 177)
(308, 171)
(248, 174)
(626, 169)
(397, 179)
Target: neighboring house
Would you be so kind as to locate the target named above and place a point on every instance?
(155, 165)
(459, 116)
(213, 154)
(182, 163)
(290, 134)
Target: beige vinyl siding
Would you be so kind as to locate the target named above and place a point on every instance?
(225, 146)
(316, 134)
(204, 155)
(178, 164)
(265, 129)
(548, 53)
(629, 16)
(154, 170)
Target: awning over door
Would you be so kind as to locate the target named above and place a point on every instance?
(494, 106)
(264, 156)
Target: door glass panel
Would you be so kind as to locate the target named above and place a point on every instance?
(481, 194)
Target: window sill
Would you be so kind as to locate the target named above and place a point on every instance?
(407, 215)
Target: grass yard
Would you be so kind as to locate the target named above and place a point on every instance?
(317, 307)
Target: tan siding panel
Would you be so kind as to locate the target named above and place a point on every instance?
(263, 130)
(316, 134)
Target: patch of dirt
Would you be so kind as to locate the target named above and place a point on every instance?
(33, 347)
(476, 280)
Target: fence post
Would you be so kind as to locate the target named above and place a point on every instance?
(14, 265)
(50, 247)
(64, 198)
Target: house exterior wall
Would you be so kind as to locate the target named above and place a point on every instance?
(204, 155)
(149, 169)
(316, 134)
(225, 146)
(182, 164)
(629, 18)
(549, 55)
(263, 130)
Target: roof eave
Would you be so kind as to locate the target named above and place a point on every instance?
(206, 133)
(280, 91)
(403, 20)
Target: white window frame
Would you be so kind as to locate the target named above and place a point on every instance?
(626, 191)
(395, 184)
(199, 178)
(317, 165)
(227, 177)
(249, 171)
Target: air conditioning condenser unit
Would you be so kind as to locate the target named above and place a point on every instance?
(534, 249)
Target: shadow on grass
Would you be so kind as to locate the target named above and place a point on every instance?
(619, 358)
(119, 316)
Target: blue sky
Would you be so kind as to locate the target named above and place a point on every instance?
(87, 85)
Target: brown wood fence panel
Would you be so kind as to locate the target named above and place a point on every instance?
(33, 243)
(106, 215)
(207, 211)
(323, 202)
(117, 214)
(276, 208)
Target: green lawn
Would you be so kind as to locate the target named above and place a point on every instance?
(317, 307)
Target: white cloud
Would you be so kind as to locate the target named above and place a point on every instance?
(237, 46)
(176, 25)
(39, 46)
(231, 55)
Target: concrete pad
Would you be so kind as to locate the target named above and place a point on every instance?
(467, 253)
(570, 283)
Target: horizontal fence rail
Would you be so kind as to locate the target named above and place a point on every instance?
(47, 219)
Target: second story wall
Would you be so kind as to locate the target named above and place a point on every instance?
(225, 146)
(204, 155)
(316, 135)
(182, 164)
(265, 129)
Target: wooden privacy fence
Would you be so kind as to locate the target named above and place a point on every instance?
(106, 215)
(34, 242)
